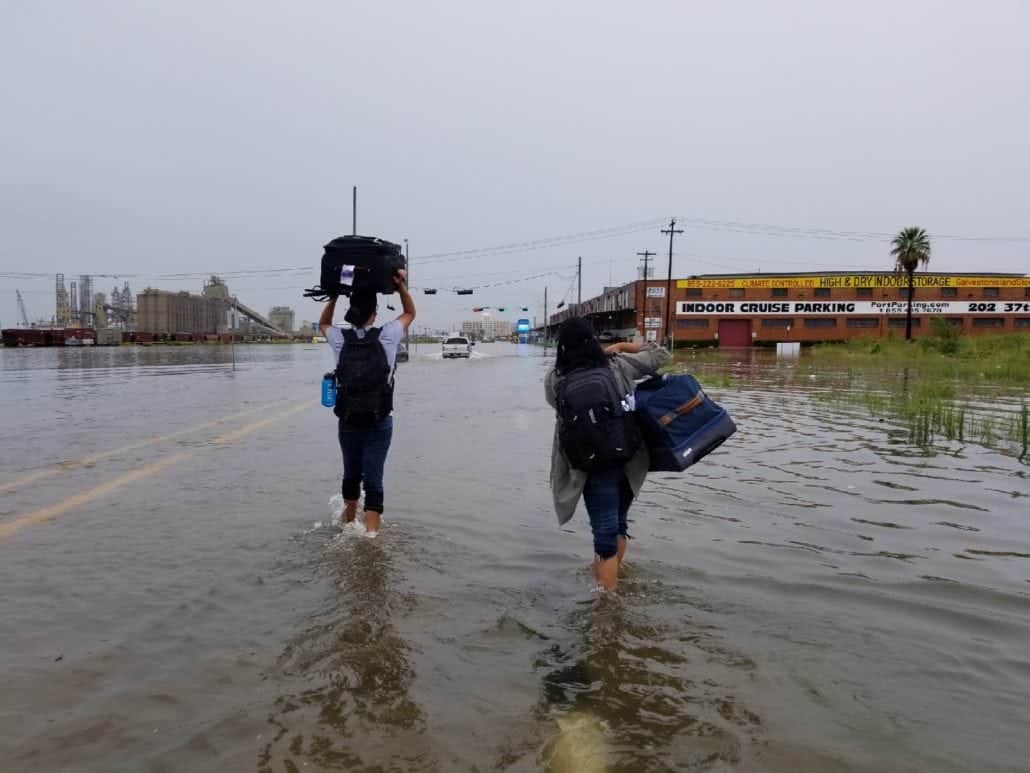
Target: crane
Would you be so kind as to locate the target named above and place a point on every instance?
(21, 309)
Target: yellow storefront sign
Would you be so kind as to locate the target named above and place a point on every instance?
(853, 280)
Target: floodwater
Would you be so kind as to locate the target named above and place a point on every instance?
(819, 595)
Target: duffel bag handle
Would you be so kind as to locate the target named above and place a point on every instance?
(687, 407)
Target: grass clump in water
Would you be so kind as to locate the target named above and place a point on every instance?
(941, 386)
(1002, 360)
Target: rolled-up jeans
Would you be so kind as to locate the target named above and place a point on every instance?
(607, 495)
(364, 460)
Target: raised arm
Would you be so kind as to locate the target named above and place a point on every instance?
(407, 316)
(623, 347)
(643, 361)
(326, 320)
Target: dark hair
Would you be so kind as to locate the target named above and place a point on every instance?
(578, 347)
(362, 307)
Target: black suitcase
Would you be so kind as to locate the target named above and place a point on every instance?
(360, 264)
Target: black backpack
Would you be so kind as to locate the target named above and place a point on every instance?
(364, 381)
(594, 430)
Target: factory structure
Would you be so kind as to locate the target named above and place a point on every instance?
(736, 310)
(84, 317)
(282, 317)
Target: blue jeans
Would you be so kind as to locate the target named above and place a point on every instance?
(364, 459)
(607, 495)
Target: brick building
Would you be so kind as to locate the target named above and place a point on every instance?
(743, 309)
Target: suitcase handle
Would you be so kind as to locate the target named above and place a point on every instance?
(687, 407)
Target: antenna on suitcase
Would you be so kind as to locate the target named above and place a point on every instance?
(354, 211)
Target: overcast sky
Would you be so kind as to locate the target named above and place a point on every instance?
(159, 137)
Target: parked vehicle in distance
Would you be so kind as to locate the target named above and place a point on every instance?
(402, 352)
(456, 346)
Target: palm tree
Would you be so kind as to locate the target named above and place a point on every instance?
(910, 248)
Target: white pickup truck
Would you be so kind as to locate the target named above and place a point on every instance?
(456, 346)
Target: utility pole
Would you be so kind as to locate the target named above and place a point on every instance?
(407, 270)
(672, 230)
(643, 304)
(354, 211)
(546, 322)
(579, 282)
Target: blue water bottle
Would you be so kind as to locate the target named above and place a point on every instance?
(329, 390)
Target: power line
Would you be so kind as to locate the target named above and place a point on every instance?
(568, 291)
(176, 275)
(753, 229)
(766, 229)
(536, 244)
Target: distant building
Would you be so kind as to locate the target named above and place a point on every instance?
(282, 318)
(480, 329)
(164, 312)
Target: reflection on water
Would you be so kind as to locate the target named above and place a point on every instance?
(648, 676)
(353, 676)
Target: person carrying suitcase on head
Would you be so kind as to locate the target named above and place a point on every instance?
(366, 359)
(598, 453)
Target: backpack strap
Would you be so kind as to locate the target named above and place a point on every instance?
(373, 336)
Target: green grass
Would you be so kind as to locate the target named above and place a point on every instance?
(930, 415)
(929, 384)
(944, 387)
(1002, 360)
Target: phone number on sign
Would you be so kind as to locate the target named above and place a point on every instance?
(1017, 308)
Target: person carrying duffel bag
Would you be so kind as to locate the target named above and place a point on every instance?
(598, 453)
(680, 423)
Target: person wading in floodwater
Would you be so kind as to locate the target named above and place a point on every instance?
(597, 450)
(366, 358)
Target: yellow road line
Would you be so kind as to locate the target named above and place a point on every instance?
(46, 472)
(50, 512)
(229, 437)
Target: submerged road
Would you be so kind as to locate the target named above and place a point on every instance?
(817, 595)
